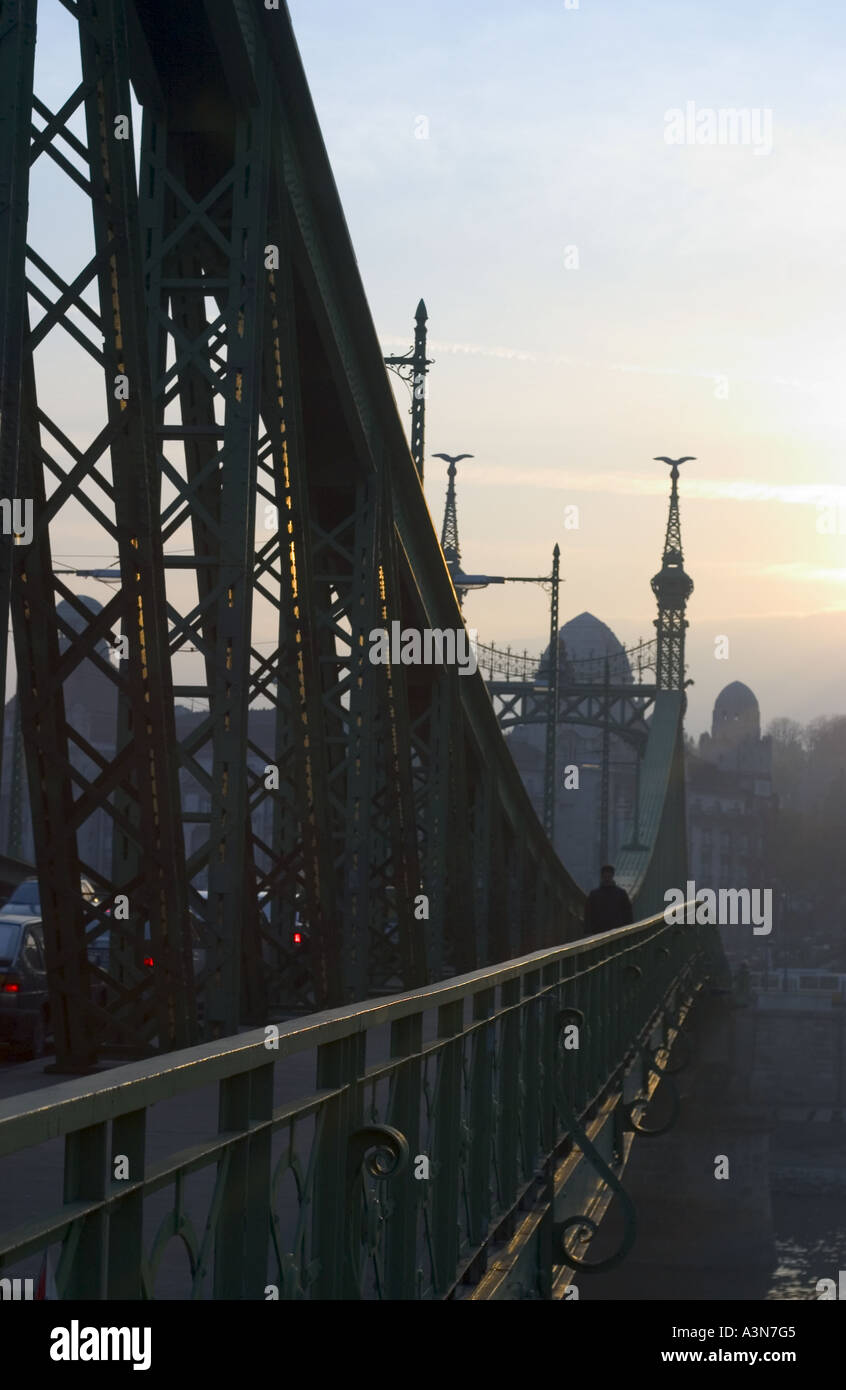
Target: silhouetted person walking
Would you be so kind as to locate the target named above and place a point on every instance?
(608, 906)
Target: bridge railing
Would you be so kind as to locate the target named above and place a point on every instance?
(382, 1150)
(626, 666)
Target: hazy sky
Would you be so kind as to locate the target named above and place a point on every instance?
(597, 296)
(704, 316)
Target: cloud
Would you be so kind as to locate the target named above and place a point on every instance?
(813, 574)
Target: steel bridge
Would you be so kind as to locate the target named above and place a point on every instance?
(349, 840)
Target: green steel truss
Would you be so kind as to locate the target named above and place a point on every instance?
(114, 480)
(268, 781)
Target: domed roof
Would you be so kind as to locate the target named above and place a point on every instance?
(68, 612)
(735, 699)
(585, 642)
(736, 717)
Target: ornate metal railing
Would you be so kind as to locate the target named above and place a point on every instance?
(627, 666)
(391, 1165)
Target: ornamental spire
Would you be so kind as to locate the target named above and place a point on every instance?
(672, 588)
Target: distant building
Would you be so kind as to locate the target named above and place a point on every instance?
(91, 710)
(730, 805)
(584, 643)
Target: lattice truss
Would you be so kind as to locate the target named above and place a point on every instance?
(278, 807)
(91, 474)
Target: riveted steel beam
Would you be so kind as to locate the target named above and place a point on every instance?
(72, 778)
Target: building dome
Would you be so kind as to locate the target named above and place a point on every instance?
(736, 713)
(584, 643)
(736, 699)
(67, 611)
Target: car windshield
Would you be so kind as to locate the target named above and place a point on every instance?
(26, 894)
(9, 937)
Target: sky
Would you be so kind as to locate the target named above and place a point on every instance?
(606, 282)
(598, 296)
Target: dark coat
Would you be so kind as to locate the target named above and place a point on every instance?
(607, 907)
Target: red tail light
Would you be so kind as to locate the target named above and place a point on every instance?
(298, 937)
(11, 985)
(148, 961)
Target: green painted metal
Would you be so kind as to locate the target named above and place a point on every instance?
(661, 862)
(412, 367)
(605, 766)
(14, 837)
(672, 588)
(324, 1194)
(114, 481)
(17, 58)
(550, 785)
(228, 292)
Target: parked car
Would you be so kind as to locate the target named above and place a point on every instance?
(27, 897)
(24, 1006)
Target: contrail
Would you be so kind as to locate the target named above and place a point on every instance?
(558, 360)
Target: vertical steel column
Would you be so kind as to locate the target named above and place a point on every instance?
(364, 606)
(85, 1180)
(481, 1117)
(482, 862)
(126, 1221)
(14, 838)
(531, 1067)
(404, 1115)
(461, 918)
(605, 767)
(400, 790)
(113, 480)
(17, 60)
(446, 1186)
(550, 788)
(507, 1129)
(45, 735)
(154, 877)
(230, 664)
(436, 822)
(205, 221)
(340, 1066)
(420, 367)
(233, 1117)
(301, 850)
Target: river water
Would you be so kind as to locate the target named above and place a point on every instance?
(810, 1244)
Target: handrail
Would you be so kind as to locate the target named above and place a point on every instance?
(70, 1105)
(358, 1122)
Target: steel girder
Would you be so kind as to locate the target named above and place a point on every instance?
(436, 786)
(70, 777)
(204, 220)
(623, 708)
(346, 791)
(17, 58)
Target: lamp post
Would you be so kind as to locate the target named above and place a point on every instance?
(413, 367)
